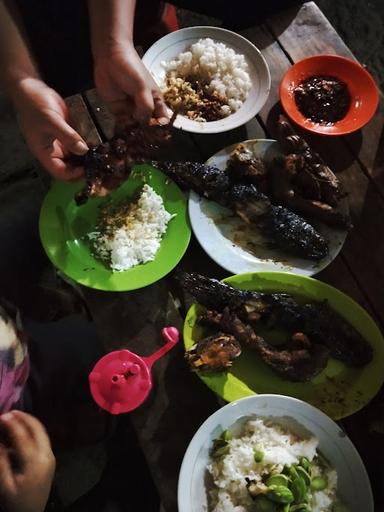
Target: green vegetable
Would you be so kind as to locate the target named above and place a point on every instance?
(318, 483)
(280, 494)
(299, 489)
(277, 479)
(226, 435)
(258, 455)
(304, 475)
(223, 450)
(262, 504)
(292, 471)
(287, 507)
(301, 507)
(305, 464)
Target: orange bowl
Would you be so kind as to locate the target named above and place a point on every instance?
(362, 88)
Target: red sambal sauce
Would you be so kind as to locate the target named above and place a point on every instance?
(323, 99)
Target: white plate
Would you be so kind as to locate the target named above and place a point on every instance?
(171, 45)
(354, 488)
(231, 243)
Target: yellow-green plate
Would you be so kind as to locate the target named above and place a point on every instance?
(64, 227)
(339, 390)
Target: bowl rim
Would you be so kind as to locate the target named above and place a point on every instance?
(196, 128)
(315, 127)
(210, 423)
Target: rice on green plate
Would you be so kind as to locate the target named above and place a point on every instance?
(130, 233)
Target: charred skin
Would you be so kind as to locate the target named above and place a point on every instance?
(316, 320)
(326, 327)
(214, 294)
(109, 164)
(205, 180)
(214, 353)
(297, 362)
(284, 229)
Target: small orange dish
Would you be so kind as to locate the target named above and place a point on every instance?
(364, 94)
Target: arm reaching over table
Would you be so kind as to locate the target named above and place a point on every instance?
(121, 78)
(42, 113)
(27, 463)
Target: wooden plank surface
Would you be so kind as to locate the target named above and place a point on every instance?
(81, 119)
(310, 33)
(358, 275)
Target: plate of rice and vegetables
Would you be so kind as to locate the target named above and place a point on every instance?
(272, 453)
(272, 332)
(127, 240)
(213, 78)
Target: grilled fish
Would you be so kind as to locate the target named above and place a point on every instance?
(317, 320)
(284, 229)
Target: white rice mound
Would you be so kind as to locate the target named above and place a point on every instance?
(221, 67)
(279, 447)
(138, 240)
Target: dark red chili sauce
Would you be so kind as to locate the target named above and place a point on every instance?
(323, 99)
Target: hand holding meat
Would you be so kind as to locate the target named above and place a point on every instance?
(27, 463)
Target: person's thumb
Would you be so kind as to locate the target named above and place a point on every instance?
(68, 137)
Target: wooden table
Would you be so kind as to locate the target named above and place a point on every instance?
(180, 402)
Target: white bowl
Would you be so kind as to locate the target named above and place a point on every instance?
(171, 45)
(354, 488)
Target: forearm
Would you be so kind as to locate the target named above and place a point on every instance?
(16, 62)
(111, 24)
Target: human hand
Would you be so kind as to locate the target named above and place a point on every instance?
(27, 463)
(43, 117)
(127, 87)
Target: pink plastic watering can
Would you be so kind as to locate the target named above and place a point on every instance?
(121, 380)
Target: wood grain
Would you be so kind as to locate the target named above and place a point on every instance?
(364, 203)
(310, 33)
(81, 120)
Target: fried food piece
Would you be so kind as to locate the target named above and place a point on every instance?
(214, 353)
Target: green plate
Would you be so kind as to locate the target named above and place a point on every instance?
(64, 227)
(338, 390)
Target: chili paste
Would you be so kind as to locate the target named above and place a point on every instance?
(323, 99)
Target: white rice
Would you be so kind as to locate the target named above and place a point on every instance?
(224, 70)
(279, 447)
(138, 239)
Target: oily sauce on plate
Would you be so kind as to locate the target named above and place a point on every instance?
(322, 99)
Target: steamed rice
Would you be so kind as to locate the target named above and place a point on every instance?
(280, 447)
(131, 233)
(221, 71)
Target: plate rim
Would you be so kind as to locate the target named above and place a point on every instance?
(45, 209)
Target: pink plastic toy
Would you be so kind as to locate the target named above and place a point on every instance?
(121, 380)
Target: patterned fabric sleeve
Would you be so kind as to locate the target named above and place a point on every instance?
(14, 361)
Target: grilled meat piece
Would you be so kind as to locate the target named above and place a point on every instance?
(285, 229)
(205, 180)
(108, 165)
(303, 177)
(214, 294)
(316, 320)
(323, 325)
(293, 186)
(294, 361)
(214, 353)
(243, 166)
